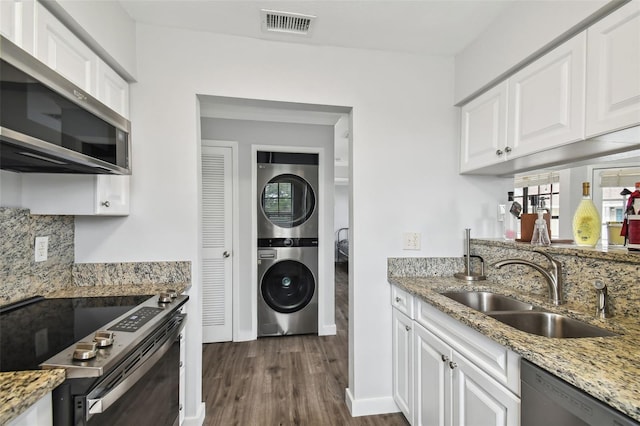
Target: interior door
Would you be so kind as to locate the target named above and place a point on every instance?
(217, 184)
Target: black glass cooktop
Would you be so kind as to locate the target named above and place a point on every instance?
(35, 332)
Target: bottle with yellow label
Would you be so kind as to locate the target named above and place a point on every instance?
(586, 221)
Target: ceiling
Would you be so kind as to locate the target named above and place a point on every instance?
(432, 27)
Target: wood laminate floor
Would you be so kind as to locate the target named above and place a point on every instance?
(292, 380)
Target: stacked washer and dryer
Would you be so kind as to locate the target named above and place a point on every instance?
(287, 243)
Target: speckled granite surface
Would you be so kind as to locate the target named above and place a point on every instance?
(117, 290)
(606, 367)
(21, 389)
(131, 273)
(19, 272)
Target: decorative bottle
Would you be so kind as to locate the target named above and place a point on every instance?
(511, 218)
(586, 220)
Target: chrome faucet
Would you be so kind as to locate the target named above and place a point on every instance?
(602, 302)
(552, 274)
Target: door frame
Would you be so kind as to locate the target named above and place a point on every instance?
(235, 231)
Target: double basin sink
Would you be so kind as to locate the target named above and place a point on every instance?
(526, 317)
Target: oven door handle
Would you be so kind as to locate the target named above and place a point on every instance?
(100, 405)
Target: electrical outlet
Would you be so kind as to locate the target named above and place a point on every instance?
(411, 241)
(42, 248)
(502, 211)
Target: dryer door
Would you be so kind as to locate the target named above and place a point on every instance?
(288, 201)
(288, 286)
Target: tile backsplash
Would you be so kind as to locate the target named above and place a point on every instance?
(20, 275)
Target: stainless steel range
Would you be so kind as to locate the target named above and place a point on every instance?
(121, 355)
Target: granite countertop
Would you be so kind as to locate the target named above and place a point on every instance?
(607, 368)
(21, 389)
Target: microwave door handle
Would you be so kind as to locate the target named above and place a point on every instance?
(100, 405)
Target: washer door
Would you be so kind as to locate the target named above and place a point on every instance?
(288, 201)
(288, 286)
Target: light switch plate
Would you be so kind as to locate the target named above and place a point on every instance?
(411, 241)
(42, 248)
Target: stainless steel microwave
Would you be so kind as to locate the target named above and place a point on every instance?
(48, 125)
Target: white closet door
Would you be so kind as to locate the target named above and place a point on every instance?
(216, 244)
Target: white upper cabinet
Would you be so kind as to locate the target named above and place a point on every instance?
(16, 22)
(546, 100)
(613, 78)
(62, 51)
(63, 194)
(484, 129)
(112, 90)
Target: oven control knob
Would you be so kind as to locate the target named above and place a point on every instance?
(103, 338)
(85, 350)
(164, 298)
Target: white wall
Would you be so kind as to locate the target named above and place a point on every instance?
(341, 208)
(248, 133)
(10, 189)
(403, 158)
(520, 31)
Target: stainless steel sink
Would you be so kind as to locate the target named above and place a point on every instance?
(485, 301)
(548, 324)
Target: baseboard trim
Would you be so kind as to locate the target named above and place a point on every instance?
(328, 330)
(370, 406)
(198, 419)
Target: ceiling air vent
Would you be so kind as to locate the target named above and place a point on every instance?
(286, 22)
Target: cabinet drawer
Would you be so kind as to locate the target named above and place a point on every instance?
(493, 358)
(402, 301)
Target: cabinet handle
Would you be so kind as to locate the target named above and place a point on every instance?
(407, 327)
(180, 409)
(226, 254)
(181, 364)
(106, 204)
(499, 152)
(507, 149)
(452, 365)
(398, 300)
(445, 358)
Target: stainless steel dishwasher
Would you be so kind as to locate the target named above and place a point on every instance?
(549, 401)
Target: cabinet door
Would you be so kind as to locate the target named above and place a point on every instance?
(546, 100)
(112, 90)
(480, 400)
(432, 389)
(63, 194)
(62, 51)
(613, 71)
(16, 22)
(403, 363)
(112, 195)
(484, 129)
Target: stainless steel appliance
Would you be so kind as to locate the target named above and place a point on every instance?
(287, 195)
(121, 355)
(287, 286)
(547, 400)
(48, 125)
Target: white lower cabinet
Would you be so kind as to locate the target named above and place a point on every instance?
(459, 377)
(403, 373)
(39, 414)
(432, 374)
